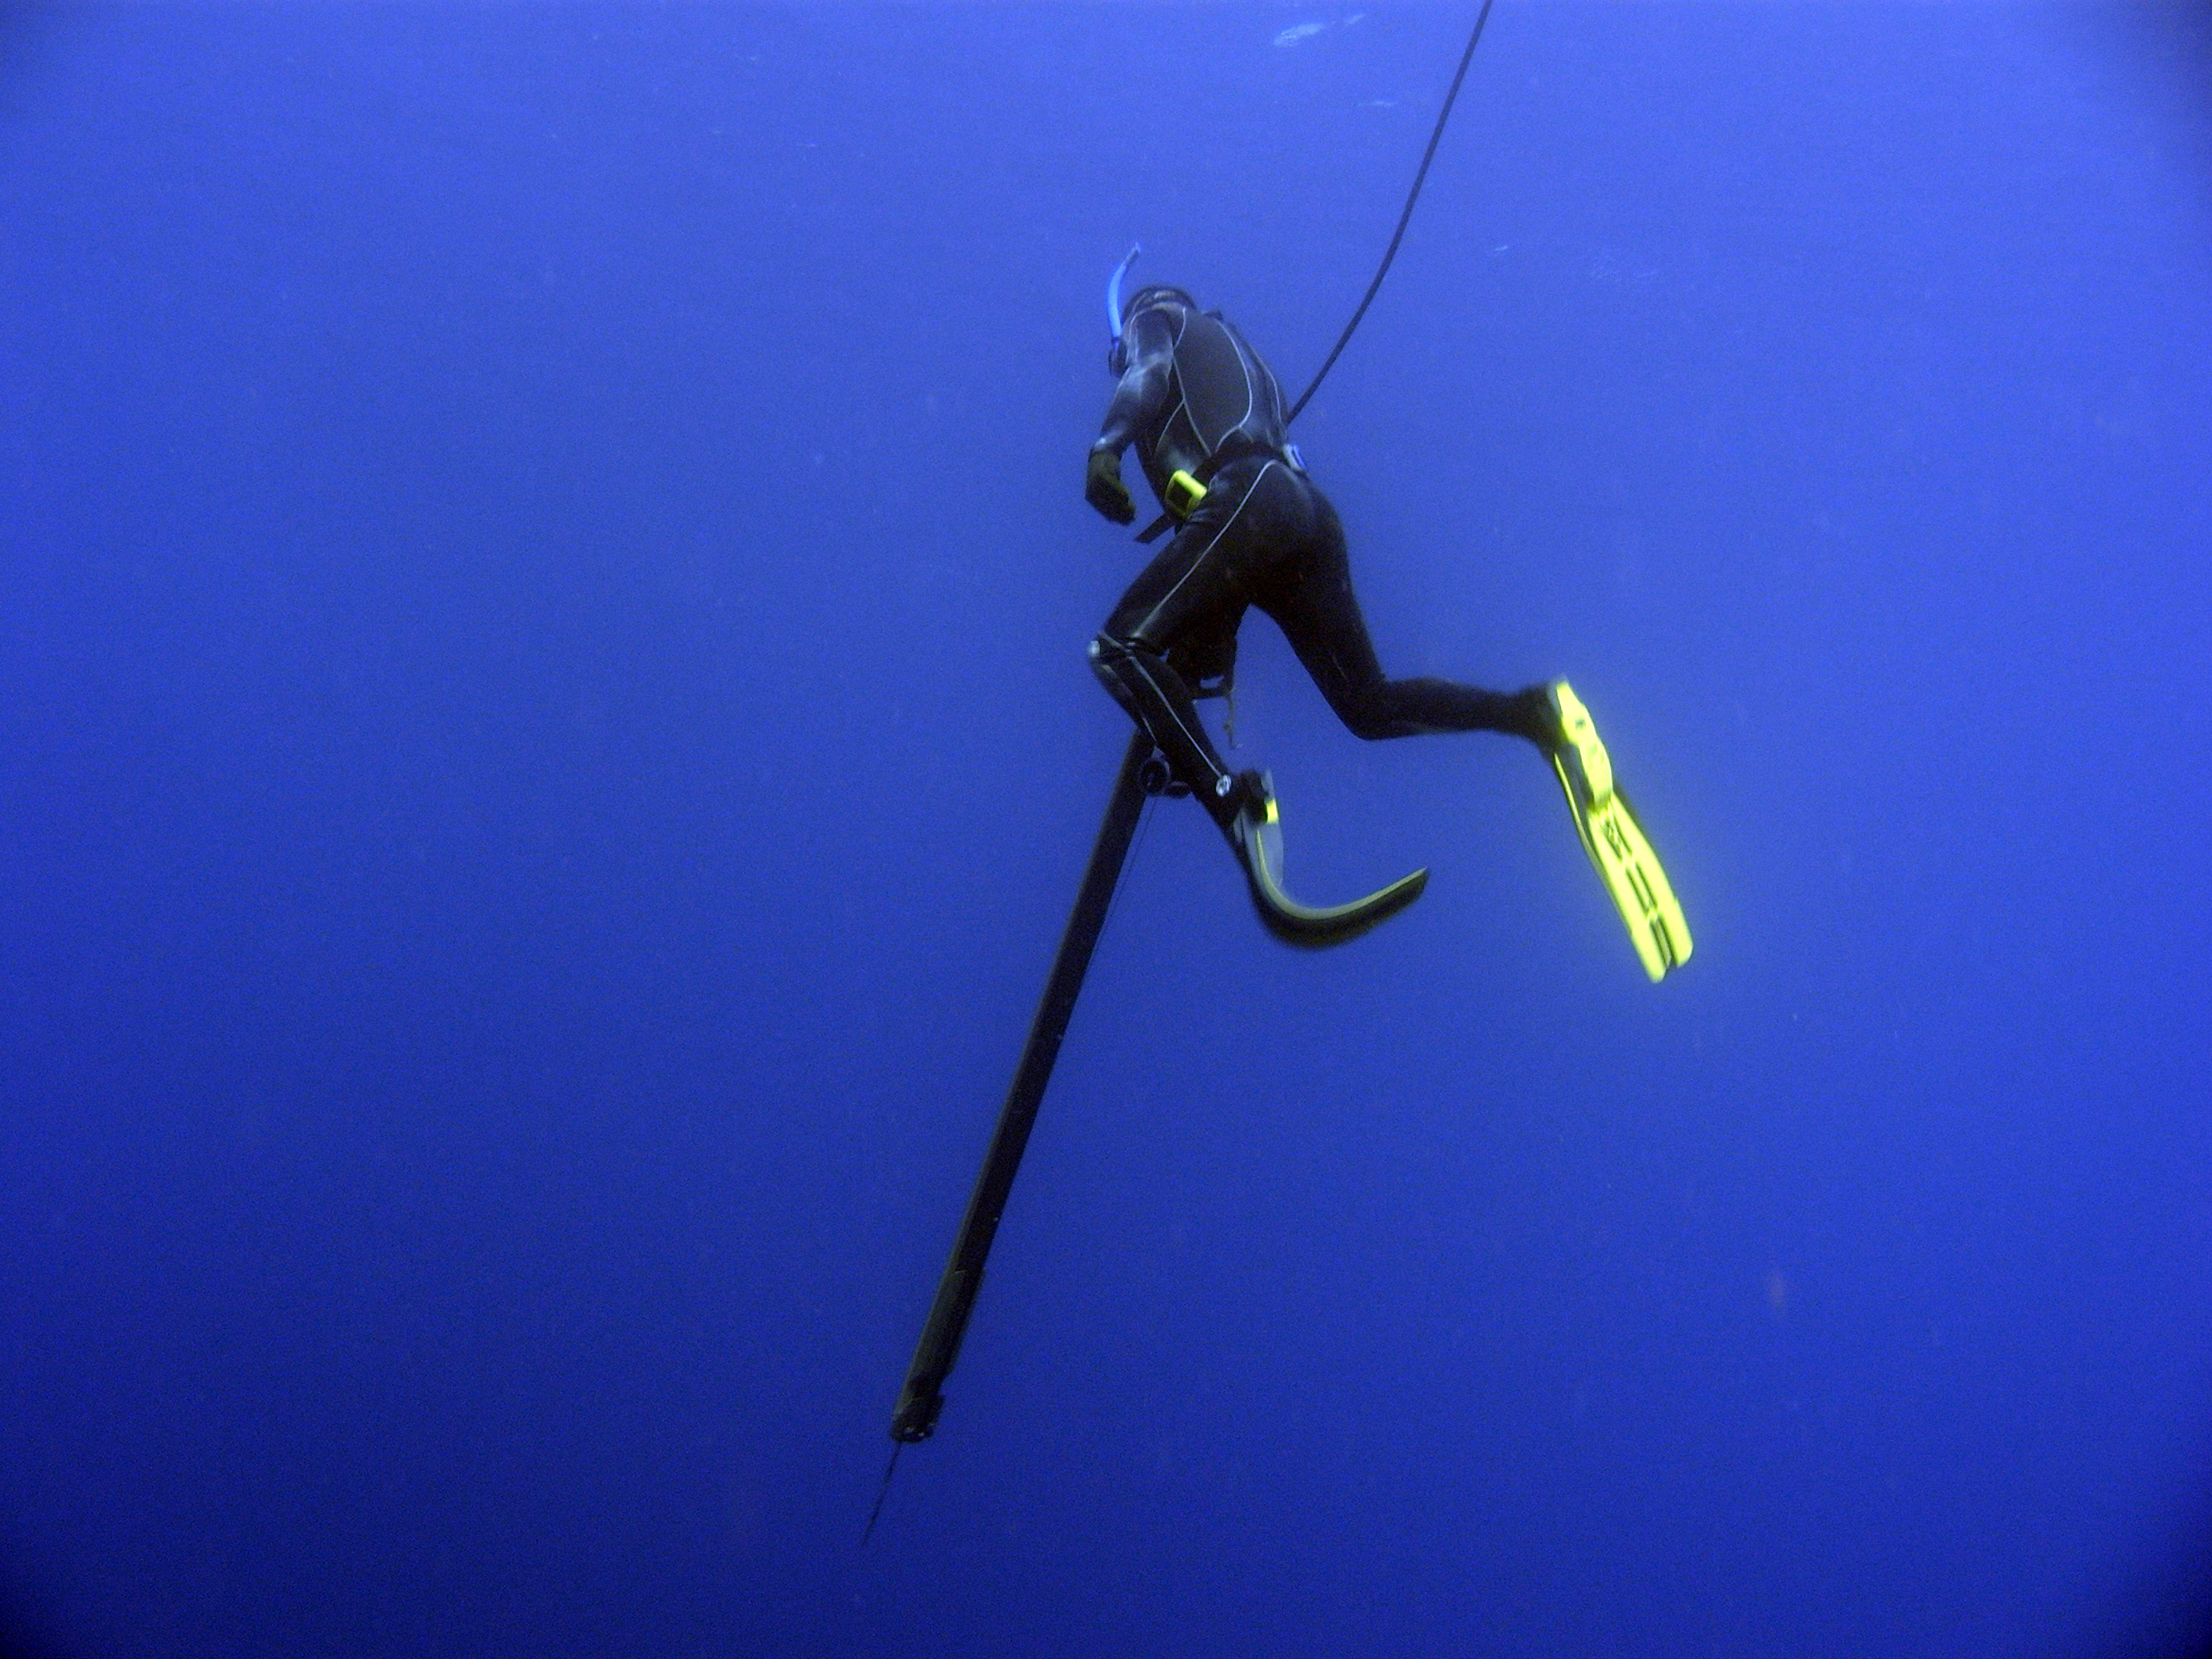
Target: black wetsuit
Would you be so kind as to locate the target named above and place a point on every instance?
(1196, 397)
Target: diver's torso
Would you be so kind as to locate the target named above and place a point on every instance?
(1220, 396)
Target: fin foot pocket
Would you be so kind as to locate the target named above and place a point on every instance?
(1619, 850)
(1256, 833)
(1578, 739)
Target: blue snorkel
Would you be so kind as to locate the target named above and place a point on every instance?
(1117, 354)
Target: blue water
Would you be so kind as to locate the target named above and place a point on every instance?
(544, 746)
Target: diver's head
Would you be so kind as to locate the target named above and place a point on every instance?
(1118, 315)
(1148, 298)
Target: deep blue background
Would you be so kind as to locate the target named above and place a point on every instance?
(544, 746)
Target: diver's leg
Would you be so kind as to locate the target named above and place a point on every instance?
(1197, 583)
(1310, 598)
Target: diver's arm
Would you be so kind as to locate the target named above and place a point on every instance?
(1139, 402)
(1140, 399)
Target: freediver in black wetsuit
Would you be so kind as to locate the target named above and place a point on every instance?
(1204, 410)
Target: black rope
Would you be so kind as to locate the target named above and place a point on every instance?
(1403, 219)
(882, 1492)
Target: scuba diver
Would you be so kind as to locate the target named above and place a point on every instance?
(1251, 528)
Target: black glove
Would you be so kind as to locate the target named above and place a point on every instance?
(1103, 488)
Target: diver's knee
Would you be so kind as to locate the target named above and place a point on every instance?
(1109, 651)
(1109, 658)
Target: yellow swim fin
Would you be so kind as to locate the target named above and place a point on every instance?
(1615, 843)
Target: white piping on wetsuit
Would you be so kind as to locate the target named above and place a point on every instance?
(1175, 368)
(1245, 369)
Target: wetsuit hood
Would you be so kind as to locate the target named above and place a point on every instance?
(1156, 294)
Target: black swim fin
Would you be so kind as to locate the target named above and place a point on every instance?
(1256, 834)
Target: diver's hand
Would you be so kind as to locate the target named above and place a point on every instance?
(1104, 489)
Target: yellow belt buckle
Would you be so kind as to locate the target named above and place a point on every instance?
(1182, 493)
